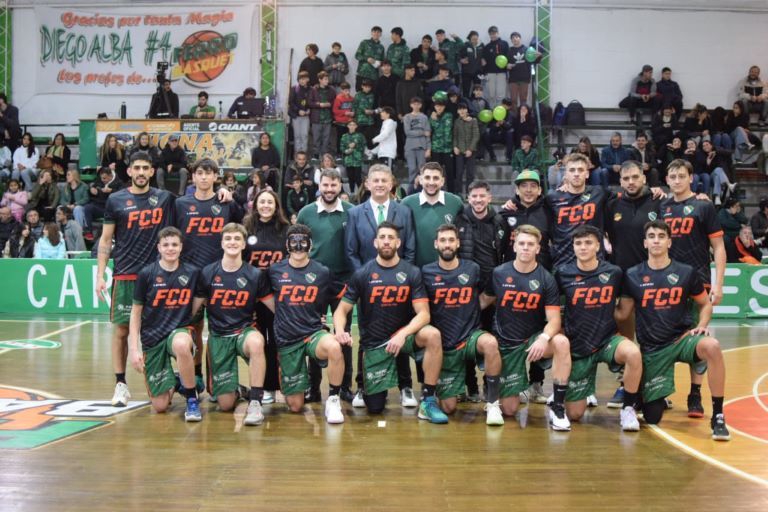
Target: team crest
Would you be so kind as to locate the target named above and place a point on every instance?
(586, 197)
(646, 279)
(438, 279)
(153, 200)
(652, 216)
(193, 208)
(512, 221)
(252, 240)
(616, 217)
(604, 278)
(501, 233)
(217, 279)
(129, 203)
(216, 209)
(463, 278)
(687, 210)
(534, 284)
(448, 218)
(509, 280)
(673, 278)
(401, 277)
(241, 282)
(183, 280)
(344, 224)
(159, 279)
(311, 277)
(374, 276)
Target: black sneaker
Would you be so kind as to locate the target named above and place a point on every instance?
(347, 395)
(719, 430)
(695, 409)
(243, 392)
(311, 396)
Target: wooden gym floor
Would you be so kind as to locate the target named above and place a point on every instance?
(63, 448)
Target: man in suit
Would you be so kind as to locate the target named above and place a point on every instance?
(358, 239)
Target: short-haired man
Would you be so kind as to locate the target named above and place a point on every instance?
(321, 98)
(202, 110)
(369, 54)
(496, 76)
(754, 92)
(230, 289)
(660, 289)
(611, 158)
(298, 111)
(642, 95)
(303, 288)
(162, 308)
(646, 156)
(134, 216)
(173, 160)
(398, 53)
(591, 287)
(669, 91)
(453, 288)
(388, 291)
(451, 47)
(237, 106)
(423, 58)
(527, 326)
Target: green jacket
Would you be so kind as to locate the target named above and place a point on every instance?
(80, 195)
(360, 104)
(452, 48)
(353, 157)
(368, 48)
(399, 55)
(521, 160)
(466, 134)
(442, 133)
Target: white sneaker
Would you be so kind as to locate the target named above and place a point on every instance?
(718, 201)
(268, 398)
(333, 412)
(536, 394)
(523, 397)
(592, 401)
(629, 421)
(493, 414)
(559, 420)
(254, 414)
(358, 401)
(407, 399)
(121, 396)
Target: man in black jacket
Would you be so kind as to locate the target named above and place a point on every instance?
(165, 103)
(174, 160)
(9, 123)
(670, 92)
(530, 209)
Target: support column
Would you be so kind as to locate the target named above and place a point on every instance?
(268, 22)
(543, 17)
(5, 49)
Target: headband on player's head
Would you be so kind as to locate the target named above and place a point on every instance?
(298, 242)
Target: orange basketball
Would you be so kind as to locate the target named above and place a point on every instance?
(208, 66)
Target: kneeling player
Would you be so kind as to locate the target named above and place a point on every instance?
(527, 321)
(389, 291)
(455, 311)
(591, 287)
(230, 289)
(162, 305)
(303, 289)
(660, 288)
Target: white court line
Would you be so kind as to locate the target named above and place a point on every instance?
(756, 393)
(43, 336)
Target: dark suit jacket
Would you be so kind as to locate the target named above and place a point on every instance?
(361, 231)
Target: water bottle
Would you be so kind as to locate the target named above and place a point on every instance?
(123, 110)
(268, 112)
(221, 111)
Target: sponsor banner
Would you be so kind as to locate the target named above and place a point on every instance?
(117, 50)
(745, 292)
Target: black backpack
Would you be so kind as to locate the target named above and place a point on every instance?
(545, 114)
(575, 114)
(559, 114)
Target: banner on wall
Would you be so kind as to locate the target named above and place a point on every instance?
(116, 51)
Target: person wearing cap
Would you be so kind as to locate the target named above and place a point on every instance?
(469, 58)
(496, 77)
(501, 132)
(398, 53)
(441, 148)
(369, 54)
(527, 157)
(202, 110)
(518, 71)
(173, 160)
(642, 95)
(423, 58)
(530, 209)
(248, 94)
(466, 136)
(451, 48)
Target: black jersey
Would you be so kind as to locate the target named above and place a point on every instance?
(569, 211)
(386, 296)
(536, 215)
(231, 297)
(201, 222)
(625, 218)
(693, 223)
(138, 218)
(661, 301)
(453, 300)
(521, 302)
(301, 299)
(266, 246)
(166, 298)
(590, 301)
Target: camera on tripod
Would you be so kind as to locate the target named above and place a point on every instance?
(162, 67)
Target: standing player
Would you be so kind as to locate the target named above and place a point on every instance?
(162, 306)
(134, 215)
(527, 321)
(591, 287)
(660, 289)
(388, 291)
(695, 228)
(201, 217)
(230, 289)
(302, 289)
(452, 286)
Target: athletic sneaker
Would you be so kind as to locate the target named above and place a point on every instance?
(493, 414)
(474, 398)
(668, 403)
(254, 414)
(358, 400)
(199, 384)
(347, 395)
(592, 401)
(629, 421)
(268, 398)
(121, 396)
(311, 396)
(243, 392)
(429, 410)
(719, 430)
(523, 397)
(617, 400)
(695, 409)
(333, 412)
(193, 411)
(407, 399)
(558, 419)
(536, 393)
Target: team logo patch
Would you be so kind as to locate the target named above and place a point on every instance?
(252, 240)
(616, 217)
(604, 278)
(241, 282)
(448, 218)
(673, 278)
(159, 279)
(512, 221)
(534, 284)
(401, 277)
(586, 197)
(216, 209)
(217, 279)
(153, 200)
(193, 208)
(311, 277)
(463, 278)
(374, 276)
(687, 210)
(646, 279)
(129, 203)
(509, 280)
(438, 279)
(652, 215)
(344, 224)
(285, 275)
(183, 280)
(500, 233)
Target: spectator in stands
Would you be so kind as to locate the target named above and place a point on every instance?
(525, 158)
(471, 66)
(759, 220)
(248, 94)
(101, 188)
(597, 175)
(744, 248)
(265, 157)
(423, 58)
(466, 136)
(239, 192)
(441, 146)
(71, 229)
(642, 94)
(22, 243)
(6, 161)
(496, 77)
(298, 110)
(715, 164)
(342, 112)
(386, 140)
(644, 154)
(143, 143)
(74, 195)
(327, 162)
(25, 160)
(501, 132)
(702, 182)
(164, 103)
(697, 123)
(15, 199)
(384, 92)
(673, 151)
(45, 195)
(454, 98)
(407, 89)
(9, 123)
(525, 124)
(398, 53)
(369, 54)
(669, 91)
(737, 126)
(477, 103)
(321, 98)
(336, 65)
(33, 219)
(296, 198)
(256, 185)
(451, 47)
(51, 246)
(59, 154)
(173, 161)
(7, 225)
(363, 106)
(440, 60)
(312, 64)
(202, 110)
(754, 93)
(664, 126)
(353, 146)
(440, 82)
(519, 71)
(731, 218)
(112, 156)
(300, 167)
(612, 156)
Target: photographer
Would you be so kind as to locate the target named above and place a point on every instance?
(165, 102)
